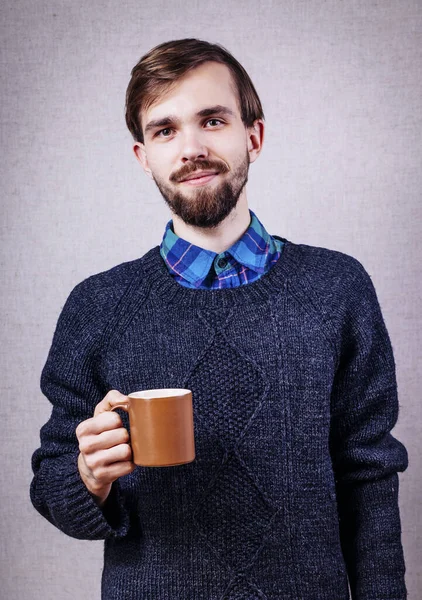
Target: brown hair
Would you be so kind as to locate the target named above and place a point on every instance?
(159, 69)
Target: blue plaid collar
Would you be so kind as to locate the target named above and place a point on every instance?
(192, 263)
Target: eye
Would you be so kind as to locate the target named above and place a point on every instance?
(161, 132)
(219, 122)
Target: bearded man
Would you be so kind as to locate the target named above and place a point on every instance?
(294, 489)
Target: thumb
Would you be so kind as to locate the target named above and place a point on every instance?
(114, 399)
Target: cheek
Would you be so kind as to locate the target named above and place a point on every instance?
(160, 163)
(233, 146)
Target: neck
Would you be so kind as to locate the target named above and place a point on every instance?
(220, 238)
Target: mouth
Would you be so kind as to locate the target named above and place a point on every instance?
(200, 180)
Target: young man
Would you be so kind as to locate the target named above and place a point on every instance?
(294, 489)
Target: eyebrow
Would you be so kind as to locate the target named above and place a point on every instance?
(205, 112)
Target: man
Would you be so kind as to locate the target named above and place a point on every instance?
(294, 489)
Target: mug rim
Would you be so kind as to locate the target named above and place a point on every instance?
(159, 393)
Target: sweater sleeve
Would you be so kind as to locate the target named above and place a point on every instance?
(71, 383)
(365, 456)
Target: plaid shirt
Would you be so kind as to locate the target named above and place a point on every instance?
(250, 257)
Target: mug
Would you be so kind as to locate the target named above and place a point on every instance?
(161, 427)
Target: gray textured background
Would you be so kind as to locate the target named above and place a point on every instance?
(340, 83)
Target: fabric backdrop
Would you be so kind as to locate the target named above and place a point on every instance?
(341, 87)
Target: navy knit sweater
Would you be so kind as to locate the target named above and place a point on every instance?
(294, 489)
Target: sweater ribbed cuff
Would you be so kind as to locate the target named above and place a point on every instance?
(74, 510)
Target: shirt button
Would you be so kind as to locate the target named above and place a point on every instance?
(222, 262)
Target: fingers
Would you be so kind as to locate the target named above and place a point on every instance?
(102, 468)
(98, 462)
(99, 477)
(105, 454)
(103, 476)
(99, 468)
(111, 400)
(114, 471)
(105, 421)
(103, 440)
(104, 418)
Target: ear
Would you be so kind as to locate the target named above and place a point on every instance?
(255, 139)
(141, 156)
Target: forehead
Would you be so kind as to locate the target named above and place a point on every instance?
(209, 84)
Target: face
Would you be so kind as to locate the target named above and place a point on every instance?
(196, 147)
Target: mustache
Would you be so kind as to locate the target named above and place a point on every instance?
(198, 165)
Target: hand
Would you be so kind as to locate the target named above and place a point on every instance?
(105, 454)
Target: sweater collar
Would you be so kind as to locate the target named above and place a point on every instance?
(163, 288)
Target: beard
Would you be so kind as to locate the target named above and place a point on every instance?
(206, 206)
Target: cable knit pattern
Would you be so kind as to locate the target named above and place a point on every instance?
(294, 490)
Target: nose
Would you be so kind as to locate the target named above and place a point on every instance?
(193, 146)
